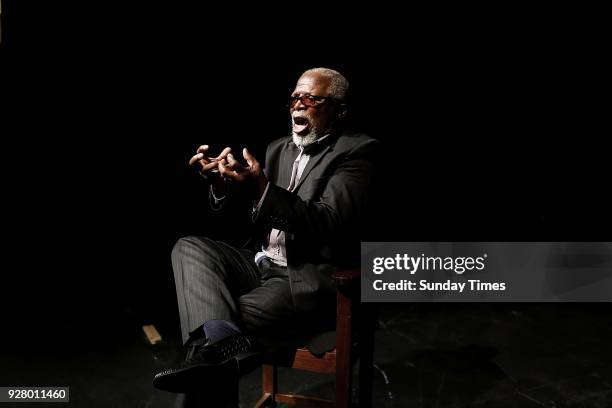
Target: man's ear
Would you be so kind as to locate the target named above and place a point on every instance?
(342, 112)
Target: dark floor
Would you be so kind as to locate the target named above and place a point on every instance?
(427, 355)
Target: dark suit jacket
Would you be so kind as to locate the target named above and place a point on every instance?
(323, 217)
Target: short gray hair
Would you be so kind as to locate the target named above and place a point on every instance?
(338, 85)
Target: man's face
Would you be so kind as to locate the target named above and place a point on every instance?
(310, 122)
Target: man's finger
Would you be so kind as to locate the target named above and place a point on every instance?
(250, 159)
(196, 158)
(207, 166)
(224, 153)
(233, 163)
(202, 149)
(226, 171)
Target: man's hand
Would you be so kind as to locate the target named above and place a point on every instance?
(208, 166)
(251, 174)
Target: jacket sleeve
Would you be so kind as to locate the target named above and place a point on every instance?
(339, 207)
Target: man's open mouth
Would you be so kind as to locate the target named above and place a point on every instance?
(301, 125)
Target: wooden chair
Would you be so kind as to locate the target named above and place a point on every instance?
(354, 340)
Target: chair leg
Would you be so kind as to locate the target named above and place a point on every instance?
(343, 351)
(366, 364)
(234, 400)
(269, 386)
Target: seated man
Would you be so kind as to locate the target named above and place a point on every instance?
(307, 209)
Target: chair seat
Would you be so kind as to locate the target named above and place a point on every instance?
(305, 360)
(322, 343)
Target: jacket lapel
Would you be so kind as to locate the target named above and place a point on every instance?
(312, 162)
(288, 156)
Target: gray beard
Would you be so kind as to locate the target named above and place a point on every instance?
(310, 137)
(303, 141)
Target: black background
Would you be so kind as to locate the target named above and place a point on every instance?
(492, 130)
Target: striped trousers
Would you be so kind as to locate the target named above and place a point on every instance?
(217, 281)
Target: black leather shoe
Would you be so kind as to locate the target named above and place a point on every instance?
(210, 365)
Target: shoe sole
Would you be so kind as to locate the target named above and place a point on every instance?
(206, 376)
